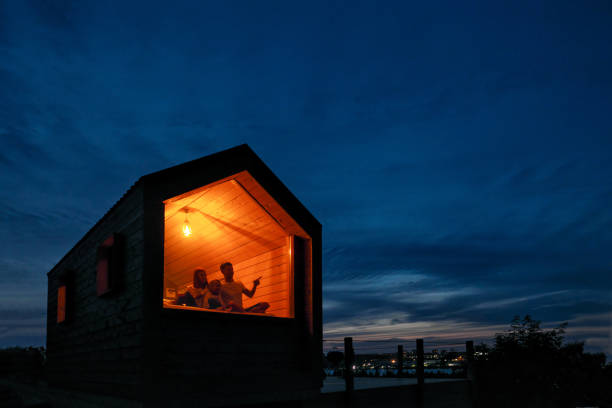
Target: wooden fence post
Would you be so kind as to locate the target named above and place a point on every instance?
(469, 357)
(400, 360)
(420, 372)
(349, 355)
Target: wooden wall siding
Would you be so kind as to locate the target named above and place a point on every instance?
(100, 348)
(228, 226)
(266, 367)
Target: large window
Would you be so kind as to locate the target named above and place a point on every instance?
(227, 249)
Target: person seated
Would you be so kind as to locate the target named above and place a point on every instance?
(194, 295)
(185, 299)
(231, 292)
(211, 297)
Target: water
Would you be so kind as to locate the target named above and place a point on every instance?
(336, 384)
(382, 372)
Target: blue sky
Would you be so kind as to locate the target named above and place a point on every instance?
(458, 155)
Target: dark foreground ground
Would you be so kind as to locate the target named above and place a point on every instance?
(372, 392)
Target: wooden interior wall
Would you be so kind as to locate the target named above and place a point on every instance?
(274, 268)
(228, 225)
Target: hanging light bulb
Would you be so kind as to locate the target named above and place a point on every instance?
(186, 227)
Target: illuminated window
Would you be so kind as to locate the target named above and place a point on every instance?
(232, 221)
(61, 304)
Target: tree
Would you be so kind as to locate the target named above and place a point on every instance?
(530, 366)
(526, 336)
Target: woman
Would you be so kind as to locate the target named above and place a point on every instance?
(198, 289)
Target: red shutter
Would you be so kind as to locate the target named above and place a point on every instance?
(109, 267)
(103, 270)
(61, 303)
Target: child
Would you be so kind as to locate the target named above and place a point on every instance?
(211, 297)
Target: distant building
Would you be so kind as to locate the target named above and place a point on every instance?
(125, 318)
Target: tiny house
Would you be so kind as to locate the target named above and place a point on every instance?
(144, 307)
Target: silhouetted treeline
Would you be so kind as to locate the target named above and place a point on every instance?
(22, 363)
(531, 367)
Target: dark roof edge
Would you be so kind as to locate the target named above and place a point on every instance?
(110, 210)
(286, 189)
(199, 160)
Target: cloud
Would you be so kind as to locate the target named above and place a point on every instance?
(22, 326)
(458, 182)
(513, 300)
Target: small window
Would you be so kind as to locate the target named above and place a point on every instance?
(109, 265)
(61, 304)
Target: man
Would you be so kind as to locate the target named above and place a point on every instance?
(231, 292)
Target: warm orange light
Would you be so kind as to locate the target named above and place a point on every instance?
(186, 228)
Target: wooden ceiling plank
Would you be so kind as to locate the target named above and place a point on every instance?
(259, 232)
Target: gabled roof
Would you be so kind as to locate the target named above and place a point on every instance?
(223, 164)
(176, 179)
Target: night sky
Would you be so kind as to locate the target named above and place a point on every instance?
(458, 156)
